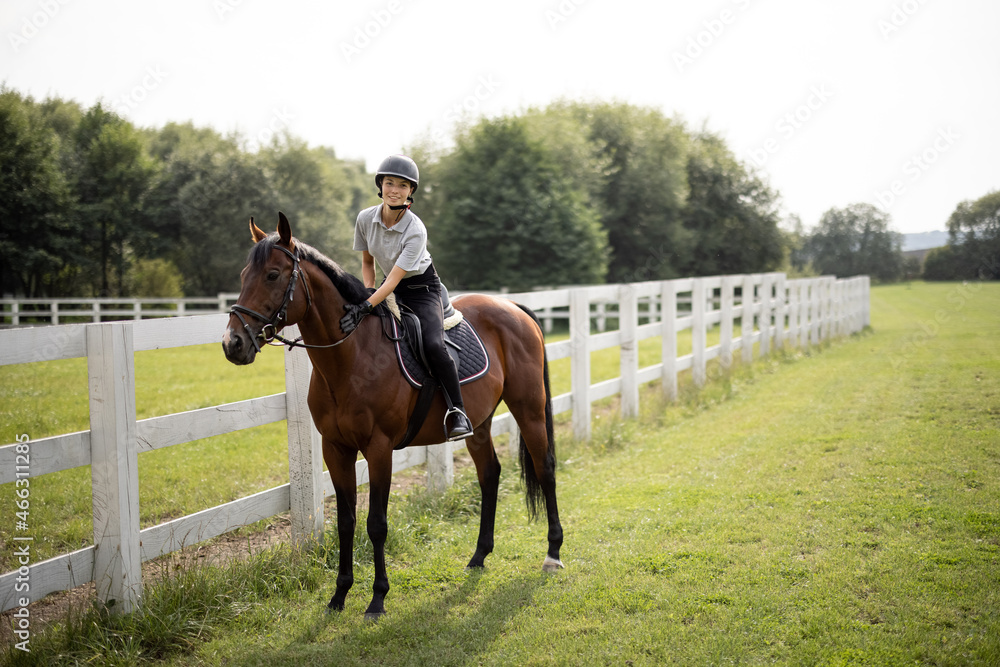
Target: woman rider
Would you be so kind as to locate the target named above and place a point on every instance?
(392, 235)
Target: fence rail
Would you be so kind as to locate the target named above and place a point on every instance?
(20, 312)
(772, 312)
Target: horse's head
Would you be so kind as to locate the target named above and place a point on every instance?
(267, 290)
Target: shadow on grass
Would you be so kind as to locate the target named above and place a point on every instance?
(450, 627)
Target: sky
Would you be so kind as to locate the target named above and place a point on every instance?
(890, 102)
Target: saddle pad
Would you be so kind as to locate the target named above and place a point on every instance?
(470, 359)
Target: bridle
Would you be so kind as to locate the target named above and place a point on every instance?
(269, 332)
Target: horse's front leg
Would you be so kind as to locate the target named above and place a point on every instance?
(380, 477)
(341, 465)
(480, 445)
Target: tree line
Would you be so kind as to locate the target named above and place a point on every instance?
(973, 250)
(858, 239)
(573, 193)
(93, 206)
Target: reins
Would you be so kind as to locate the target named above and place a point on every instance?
(269, 332)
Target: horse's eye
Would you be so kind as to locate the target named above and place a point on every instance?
(272, 276)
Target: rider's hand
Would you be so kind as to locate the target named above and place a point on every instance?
(355, 313)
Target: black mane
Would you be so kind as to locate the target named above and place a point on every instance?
(349, 286)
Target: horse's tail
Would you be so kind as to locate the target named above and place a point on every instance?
(533, 487)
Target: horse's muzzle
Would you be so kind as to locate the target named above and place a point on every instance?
(238, 348)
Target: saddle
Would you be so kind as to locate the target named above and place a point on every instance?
(466, 348)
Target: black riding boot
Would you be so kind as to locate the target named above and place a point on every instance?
(456, 423)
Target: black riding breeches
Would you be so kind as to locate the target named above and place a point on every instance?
(422, 295)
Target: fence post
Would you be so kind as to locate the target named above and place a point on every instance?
(781, 297)
(856, 304)
(726, 322)
(15, 314)
(764, 319)
(440, 467)
(867, 302)
(628, 323)
(814, 310)
(114, 465)
(668, 313)
(805, 321)
(54, 312)
(746, 319)
(833, 331)
(860, 295)
(698, 332)
(844, 288)
(96, 312)
(856, 292)
(579, 337)
(305, 449)
(828, 315)
(848, 300)
(792, 300)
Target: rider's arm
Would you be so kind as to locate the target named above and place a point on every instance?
(367, 269)
(388, 286)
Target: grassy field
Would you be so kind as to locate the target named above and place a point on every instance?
(837, 507)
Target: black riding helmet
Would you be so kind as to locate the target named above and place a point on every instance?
(401, 166)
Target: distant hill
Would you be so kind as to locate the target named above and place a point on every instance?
(924, 240)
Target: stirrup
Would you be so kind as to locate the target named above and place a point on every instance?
(457, 433)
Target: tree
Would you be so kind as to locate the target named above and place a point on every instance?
(974, 237)
(511, 217)
(114, 174)
(640, 156)
(154, 278)
(796, 261)
(730, 214)
(320, 193)
(37, 236)
(941, 264)
(856, 240)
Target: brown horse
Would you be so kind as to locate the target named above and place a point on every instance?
(360, 401)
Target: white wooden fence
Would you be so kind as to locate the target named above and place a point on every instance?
(69, 310)
(772, 311)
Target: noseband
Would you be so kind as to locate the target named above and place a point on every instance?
(269, 331)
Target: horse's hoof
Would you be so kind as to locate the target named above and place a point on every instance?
(551, 564)
(332, 610)
(374, 616)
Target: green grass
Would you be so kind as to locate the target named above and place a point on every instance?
(833, 507)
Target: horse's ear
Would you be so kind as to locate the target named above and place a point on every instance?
(284, 231)
(256, 232)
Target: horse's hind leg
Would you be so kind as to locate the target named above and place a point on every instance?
(546, 475)
(341, 465)
(539, 469)
(480, 445)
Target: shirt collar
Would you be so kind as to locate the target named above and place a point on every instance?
(399, 226)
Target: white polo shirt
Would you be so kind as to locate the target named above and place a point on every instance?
(403, 245)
